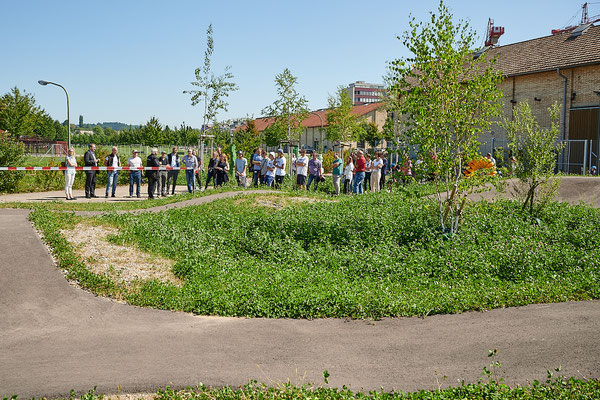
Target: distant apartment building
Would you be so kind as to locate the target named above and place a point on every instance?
(361, 92)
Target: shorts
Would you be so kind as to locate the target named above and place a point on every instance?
(301, 179)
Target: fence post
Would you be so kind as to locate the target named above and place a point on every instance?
(585, 155)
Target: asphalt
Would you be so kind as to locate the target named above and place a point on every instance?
(55, 337)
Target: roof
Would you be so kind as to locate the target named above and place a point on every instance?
(313, 120)
(549, 53)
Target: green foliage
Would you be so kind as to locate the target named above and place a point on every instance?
(300, 261)
(19, 115)
(11, 155)
(447, 97)
(288, 111)
(248, 138)
(553, 389)
(341, 123)
(212, 89)
(535, 149)
(369, 132)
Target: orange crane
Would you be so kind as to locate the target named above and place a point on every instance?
(585, 19)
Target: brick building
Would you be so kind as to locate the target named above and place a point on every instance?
(563, 68)
(314, 136)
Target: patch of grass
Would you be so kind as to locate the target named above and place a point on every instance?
(556, 390)
(366, 256)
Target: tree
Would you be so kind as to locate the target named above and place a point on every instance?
(535, 151)
(18, 112)
(369, 132)
(288, 111)
(152, 132)
(248, 138)
(447, 95)
(81, 121)
(341, 123)
(11, 155)
(212, 89)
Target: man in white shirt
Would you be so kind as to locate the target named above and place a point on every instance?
(135, 174)
(112, 160)
(191, 164)
(280, 162)
(301, 169)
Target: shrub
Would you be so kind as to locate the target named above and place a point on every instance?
(11, 155)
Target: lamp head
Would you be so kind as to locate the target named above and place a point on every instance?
(43, 83)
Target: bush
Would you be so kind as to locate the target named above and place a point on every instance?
(11, 155)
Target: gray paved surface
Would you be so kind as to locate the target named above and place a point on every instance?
(55, 337)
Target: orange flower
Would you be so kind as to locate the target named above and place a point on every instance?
(480, 164)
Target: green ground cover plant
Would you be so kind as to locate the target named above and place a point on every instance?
(555, 389)
(370, 256)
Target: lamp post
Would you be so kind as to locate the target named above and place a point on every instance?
(321, 131)
(44, 83)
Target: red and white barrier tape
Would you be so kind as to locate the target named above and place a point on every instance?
(167, 168)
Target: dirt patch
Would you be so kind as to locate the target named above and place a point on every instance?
(125, 264)
(279, 202)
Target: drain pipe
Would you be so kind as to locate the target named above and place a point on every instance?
(564, 116)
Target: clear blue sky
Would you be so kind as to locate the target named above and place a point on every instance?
(130, 60)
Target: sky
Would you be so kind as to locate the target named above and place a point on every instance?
(129, 60)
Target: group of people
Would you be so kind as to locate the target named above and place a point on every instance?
(359, 173)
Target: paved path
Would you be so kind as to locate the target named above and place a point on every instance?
(55, 337)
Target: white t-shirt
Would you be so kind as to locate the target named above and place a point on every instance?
(134, 162)
(368, 165)
(70, 163)
(270, 164)
(280, 166)
(376, 164)
(302, 170)
(348, 171)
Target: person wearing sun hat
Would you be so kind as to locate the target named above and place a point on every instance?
(270, 167)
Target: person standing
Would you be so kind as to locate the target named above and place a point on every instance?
(359, 172)
(368, 171)
(314, 170)
(270, 173)
(376, 166)
(256, 162)
(135, 174)
(190, 162)
(90, 160)
(221, 168)
(280, 163)
(336, 171)
(348, 175)
(152, 161)
(112, 160)
(211, 174)
(163, 162)
(301, 169)
(385, 170)
(70, 163)
(241, 167)
(173, 159)
(263, 166)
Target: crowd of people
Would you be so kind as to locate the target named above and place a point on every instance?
(359, 173)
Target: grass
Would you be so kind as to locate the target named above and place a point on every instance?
(556, 389)
(368, 256)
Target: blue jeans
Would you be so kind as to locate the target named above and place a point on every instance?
(113, 177)
(268, 180)
(359, 177)
(312, 178)
(191, 180)
(135, 177)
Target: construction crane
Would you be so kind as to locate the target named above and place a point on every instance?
(493, 33)
(585, 19)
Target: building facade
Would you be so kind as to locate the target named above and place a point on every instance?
(361, 92)
(563, 69)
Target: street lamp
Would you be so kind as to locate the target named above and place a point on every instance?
(44, 83)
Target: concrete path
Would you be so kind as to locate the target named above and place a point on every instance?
(55, 337)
